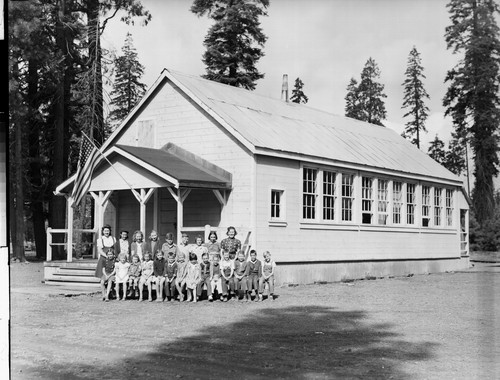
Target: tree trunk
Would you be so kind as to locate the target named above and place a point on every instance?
(36, 188)
(61, 132)
(17, 187)
(97, 131)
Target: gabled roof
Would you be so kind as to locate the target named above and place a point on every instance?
(272, 126)
(170, 164)
(186, 168)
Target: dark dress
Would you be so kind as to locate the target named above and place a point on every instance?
(102, 259)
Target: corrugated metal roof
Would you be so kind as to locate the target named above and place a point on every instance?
(179, 167)
(292, 128)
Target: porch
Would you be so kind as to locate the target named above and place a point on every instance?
(168, 190)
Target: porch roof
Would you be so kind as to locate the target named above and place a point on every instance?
(189, 170)
(168, 166)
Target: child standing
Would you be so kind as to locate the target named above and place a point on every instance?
(108, 274)
(134, 274)
(205, 276)
(121, 274)
(169, 247)
(153, 246)
(213, 246)
(199, 249)
(181, 275)
(254, 273)
(170, 273)
(215, 278)
(240, 277)
(227, 271)
(146, 273)
(123, 245)
(158, 278)
(192, 277)
(138, 246)
(268, 266)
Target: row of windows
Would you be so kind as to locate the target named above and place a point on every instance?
(330, 196)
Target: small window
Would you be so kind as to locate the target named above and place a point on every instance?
(426, 206)
(366, 200)
(411, 203)
(449, 207)
(397, 202)
(329, 195)
(383, 201)
(276, 204)
(438, 206)
(309, 189)
(347, 196)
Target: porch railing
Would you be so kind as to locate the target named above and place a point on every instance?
(50, 243)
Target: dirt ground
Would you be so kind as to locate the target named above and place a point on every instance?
(439, 326)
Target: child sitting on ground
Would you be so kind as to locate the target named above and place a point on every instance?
(181, 274)
(192, 277)
(254, 273)
(170, 272)
(227, 271)
(108, 274)
(268, 266)
(146, 273)
(215, 277)
(121, 275)
(158, 278)
(240, 277)
(134, 274)
(205, 276)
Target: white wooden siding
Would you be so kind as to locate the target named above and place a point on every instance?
(299, 241)
(178, 120)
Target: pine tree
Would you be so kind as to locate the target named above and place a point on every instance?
(298, 95)
(455, 156)
(127, 88)
(353, 106)
(234, 41)
(364, 101)
(414, 96)
(472, 98)
(436, 150)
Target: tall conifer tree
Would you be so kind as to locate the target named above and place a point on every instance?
(127, 87)
(436, 150)
(234, 42)
(414, 97)
(472, 98)
(365, 101)
(298, 95)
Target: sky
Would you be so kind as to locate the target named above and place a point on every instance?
(324, 42)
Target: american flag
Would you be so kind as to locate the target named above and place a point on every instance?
(87, 161)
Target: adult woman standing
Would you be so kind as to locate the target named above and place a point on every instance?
(231, 244)
(105, 243)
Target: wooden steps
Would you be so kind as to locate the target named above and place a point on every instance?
(78, 273)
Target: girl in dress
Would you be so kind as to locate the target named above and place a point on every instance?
(193, 277)
(231, 244)
(121, 275)
(213, 246)
(104, 244)
(138, 246)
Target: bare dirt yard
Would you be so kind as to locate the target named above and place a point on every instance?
(439, 326)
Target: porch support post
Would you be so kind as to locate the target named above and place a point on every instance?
(101, 199)
(221, 196)
(69, 221)
(180, 196)
(155, 210)
(143, 196)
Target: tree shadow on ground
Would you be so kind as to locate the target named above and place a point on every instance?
(308, 342)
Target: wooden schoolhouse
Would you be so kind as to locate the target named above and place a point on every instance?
(331, 198)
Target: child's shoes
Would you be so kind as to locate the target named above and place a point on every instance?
(210, 298)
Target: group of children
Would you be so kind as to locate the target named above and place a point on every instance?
(182, 272)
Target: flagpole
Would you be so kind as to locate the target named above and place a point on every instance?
(108, 161)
